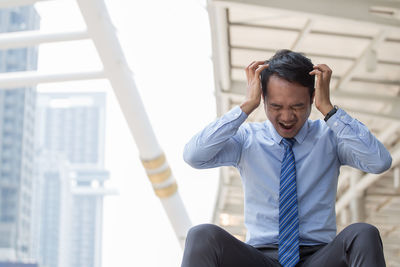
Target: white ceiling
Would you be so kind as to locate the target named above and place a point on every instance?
(362, 49)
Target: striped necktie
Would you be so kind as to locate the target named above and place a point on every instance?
(288, 216)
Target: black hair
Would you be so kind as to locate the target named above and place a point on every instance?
(291, 66)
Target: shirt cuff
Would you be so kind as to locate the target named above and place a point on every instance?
(236, 115)
(338, 121)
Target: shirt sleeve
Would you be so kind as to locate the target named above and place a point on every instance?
(357, 146)
(219, 143)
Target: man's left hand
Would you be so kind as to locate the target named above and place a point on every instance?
(323, 77)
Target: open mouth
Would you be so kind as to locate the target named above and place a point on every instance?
(287, 126)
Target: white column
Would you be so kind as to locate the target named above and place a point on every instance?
(102, 32)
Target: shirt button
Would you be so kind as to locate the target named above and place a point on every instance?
(342, 117)
(335, 124)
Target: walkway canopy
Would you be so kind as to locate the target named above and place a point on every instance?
(360, 41)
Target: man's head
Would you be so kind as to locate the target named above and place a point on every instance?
(290, 66)
(288, 90)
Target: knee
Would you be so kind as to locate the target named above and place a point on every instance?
(203, 245)
(364, 247)
(365, 232)
(204, 232)
(364, 228)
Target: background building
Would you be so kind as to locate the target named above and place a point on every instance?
(17, 110)
(71, 175)
(51, 207)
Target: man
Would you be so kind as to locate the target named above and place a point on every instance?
(289, 167)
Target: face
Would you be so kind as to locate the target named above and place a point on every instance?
(287, 105)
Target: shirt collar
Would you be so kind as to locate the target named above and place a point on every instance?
(300, 136)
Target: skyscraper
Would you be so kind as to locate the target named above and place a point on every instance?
(17, 110)
(71, 129)
(51, 207)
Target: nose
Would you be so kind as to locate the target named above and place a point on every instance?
(287, 115)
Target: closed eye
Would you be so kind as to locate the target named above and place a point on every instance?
(298, 106)
(275, 106)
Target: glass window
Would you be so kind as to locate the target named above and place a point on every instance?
(17, 19)
(8, 204)
(16, 59)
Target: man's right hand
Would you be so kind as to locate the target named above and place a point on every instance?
(254, 91)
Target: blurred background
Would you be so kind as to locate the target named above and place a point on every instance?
(99, 97)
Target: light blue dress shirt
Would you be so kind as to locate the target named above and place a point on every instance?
(320, 149)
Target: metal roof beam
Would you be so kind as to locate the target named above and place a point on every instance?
(378, 81)
(343, 178)
(393, 100)
(270, 27)
(378, 39)
(33, 38)
(388, 132)
(306, 30)
(313, 31)
(346, 10)
(314, 54)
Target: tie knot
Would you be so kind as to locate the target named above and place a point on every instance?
(288, 142)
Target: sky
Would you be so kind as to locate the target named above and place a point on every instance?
(168, 47)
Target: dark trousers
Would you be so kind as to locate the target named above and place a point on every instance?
(358, 245)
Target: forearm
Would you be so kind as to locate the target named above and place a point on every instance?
(357, 146)
(325, 108)
(249, 106)
(217, 144)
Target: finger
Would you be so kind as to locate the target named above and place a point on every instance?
(263, 65)
(323, 68)
(252, 69)
(250, 64)
(255, 65)
(317, 73)
(261, 68)
(247, 69)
